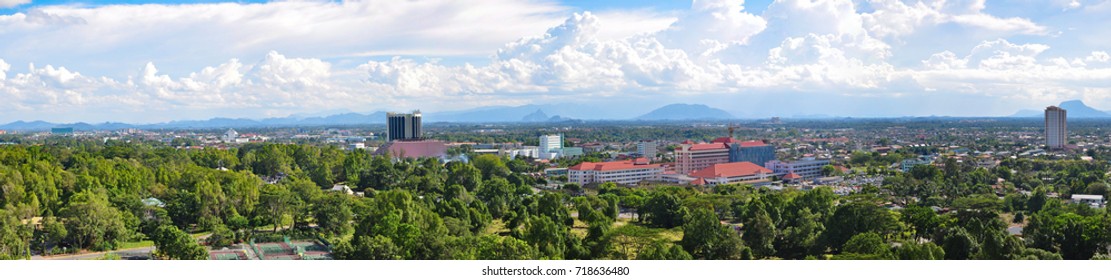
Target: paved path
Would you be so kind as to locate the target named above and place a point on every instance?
(140, 253)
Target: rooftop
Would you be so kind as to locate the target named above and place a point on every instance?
(613, 165)
(732, 169)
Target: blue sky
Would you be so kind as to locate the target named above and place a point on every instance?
(154, 61)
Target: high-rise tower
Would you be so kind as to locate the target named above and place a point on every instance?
(1056, 129)
(403, 127)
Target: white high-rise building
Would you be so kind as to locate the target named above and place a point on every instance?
(647, 149)
(551, 146)
(1056, 129)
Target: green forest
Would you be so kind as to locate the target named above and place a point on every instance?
(92, 196)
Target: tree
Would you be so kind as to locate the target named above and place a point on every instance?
(910, 250)
(13, 234)
(664, 210)
(759, 230)
(368, 248)
(706, 238)
(922, 219)
(277, 201)
(546, 236)
(958, 244)
(491, 166)
(93, 223)
(221, 237)
(490, 247)
(332, 212)
(664, 251)
(465, 175)
(868, 243)
(855, 218)
(629, 241)
(53, 231)
(174, 244)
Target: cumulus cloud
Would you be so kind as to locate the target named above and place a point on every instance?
(524, 52)
(12, 3)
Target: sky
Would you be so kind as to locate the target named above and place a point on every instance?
(156, 61)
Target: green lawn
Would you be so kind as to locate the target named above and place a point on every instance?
(497, 226)
(137, 244)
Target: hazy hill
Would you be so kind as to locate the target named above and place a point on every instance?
(686, 112)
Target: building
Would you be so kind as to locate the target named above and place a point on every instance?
(62, 130)
(910, 163)
(807, 168)
(403, 127)
(756, 152)
(1093, 200)
(230, 136)
(414, 149)
(555, 171)
(626, 172)
(733, 172)
(571, 152)
(526, 151)
(1056, 129)
(356, 146)
(550, 146)
(690, 156)
(648, 149)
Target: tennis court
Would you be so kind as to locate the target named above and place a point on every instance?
(225, 255)
(293, 250)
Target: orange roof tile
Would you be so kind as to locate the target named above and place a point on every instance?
(610, 166)
(712, 146)
(732, 169)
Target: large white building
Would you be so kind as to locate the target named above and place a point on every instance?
(622, 172)
(526, 151)
(1056, 130)
(550, 146)
(808, 168)
(647, 149)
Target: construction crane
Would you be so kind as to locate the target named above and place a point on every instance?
(732, 127)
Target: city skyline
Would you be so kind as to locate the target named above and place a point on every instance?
(167, 61)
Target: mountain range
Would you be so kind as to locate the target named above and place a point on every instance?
(547, 113)
(1075, 109)
(685, 112)
(493, 114)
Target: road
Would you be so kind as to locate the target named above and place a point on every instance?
(141, 253)
(126, 254)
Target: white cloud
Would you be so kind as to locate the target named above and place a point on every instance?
(897, 18)
(12, 3)
(276, 59)
(195, 35)
(4, 67)
(712, 25)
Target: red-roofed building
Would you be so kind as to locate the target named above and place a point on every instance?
(791, 178)
(734, 172)
(414, 149)
(622, 172)
(699, 182)
(691, 157)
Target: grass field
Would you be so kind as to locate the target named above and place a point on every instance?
(136, 244)
(497, 226)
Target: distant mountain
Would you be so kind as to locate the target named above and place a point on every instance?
(537, 116)
(22, 125)
(340, 119)
(686, 112)
(1076, 110)
(1026, 114)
